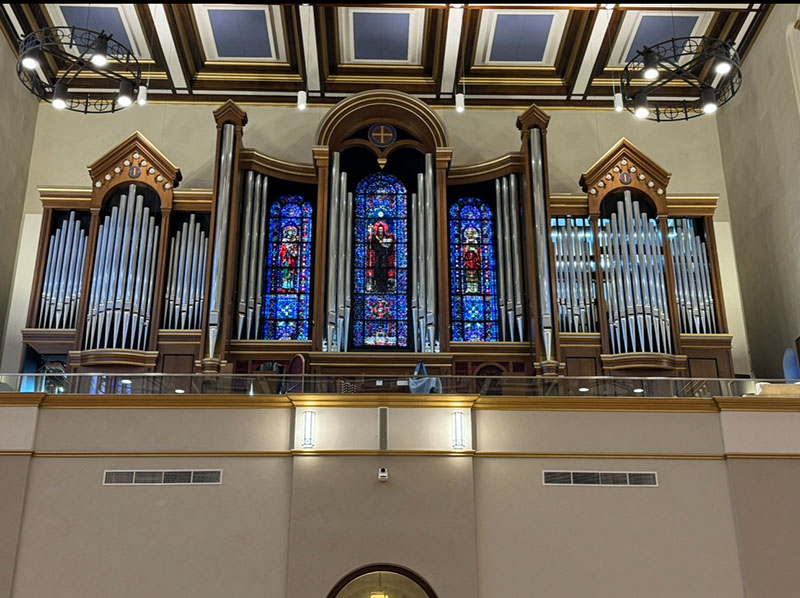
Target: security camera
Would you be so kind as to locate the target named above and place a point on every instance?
(383, 474)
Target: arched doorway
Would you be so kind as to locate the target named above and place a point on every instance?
(382, 581)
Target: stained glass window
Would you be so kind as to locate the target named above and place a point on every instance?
(381, 262)
(473, 285)
(288, 270)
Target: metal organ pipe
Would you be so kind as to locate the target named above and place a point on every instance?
(220, 236)
(638, 314)
(501, 260)
(508, 308)
(344, 261)
(262, 242)
(693, 282)
(430, 246)
(250, 183)
(253, 266)
(119, 300)
(419, 248)
(187, 259)
(63, 277)
(348, 270)
(333, 262)
(541, 225)
(515, 242)
(573, 250)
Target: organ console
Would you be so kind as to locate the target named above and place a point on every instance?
(377, 255)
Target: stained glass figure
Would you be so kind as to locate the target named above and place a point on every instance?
(381, 263)
(288, 270)
(473, 279)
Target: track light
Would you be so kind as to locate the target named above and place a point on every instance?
(31, 59)
(708, 100)
(459, 102)
(302, 98)
(125, 95)
(650, 65)
(141, 97)
(640, 107)
(618, 105)
(60, 96)
(723, 67)
(100, 51)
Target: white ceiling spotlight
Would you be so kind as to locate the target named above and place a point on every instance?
(460, 102)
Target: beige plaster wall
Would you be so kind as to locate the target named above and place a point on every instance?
(765, 495)
(18, 109)
(343, 518)
(14, 473)
(65, 143)
(759, 134)
(674, 540)
(80, 538)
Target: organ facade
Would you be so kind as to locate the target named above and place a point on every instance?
(378, 255)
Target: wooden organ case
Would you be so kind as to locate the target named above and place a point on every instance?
(377, 256)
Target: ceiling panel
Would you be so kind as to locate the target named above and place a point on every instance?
(499, 55)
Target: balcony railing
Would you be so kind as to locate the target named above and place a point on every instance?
(276, 384)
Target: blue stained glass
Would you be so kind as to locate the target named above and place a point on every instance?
(288, 270)
(473, 280)
(381, 262)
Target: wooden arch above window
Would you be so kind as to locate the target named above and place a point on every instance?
(625, 166)
(135, 160)
(396, 108)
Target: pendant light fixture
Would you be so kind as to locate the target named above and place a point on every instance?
(77, 52)
(703, 73)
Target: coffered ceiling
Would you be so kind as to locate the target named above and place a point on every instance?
(498, 55)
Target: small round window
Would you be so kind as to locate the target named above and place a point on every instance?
(382, 583)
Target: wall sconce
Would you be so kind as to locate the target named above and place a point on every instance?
(459, 442)
(309, 429)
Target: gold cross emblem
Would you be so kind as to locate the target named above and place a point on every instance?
(382, 135)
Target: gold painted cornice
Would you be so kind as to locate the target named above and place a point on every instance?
(616, 404)
(21, 399)
(677, 456)
(383, 400)
(773, 404)
(77, 401)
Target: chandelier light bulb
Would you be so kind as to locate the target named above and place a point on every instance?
(100, 51)
(618, 105)
(641, 109)
(30, 61)
(709, 100)
(459, 102)
(723, 67)
(650, 66)
(141, 97)
(125, 96)
(60, 96)
(302, 99)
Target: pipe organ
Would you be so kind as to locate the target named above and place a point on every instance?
(63, 275)
(121, 297)
(184, 297)
(378, 255)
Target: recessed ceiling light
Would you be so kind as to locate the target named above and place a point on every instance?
(638, 391)
(179, 391)
(583, 389)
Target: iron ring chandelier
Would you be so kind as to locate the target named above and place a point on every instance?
(75, 50)
(710, 67)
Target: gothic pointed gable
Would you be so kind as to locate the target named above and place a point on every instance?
(135, 160)
(625, 166)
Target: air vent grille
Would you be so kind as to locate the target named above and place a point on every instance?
(600, 478)
(162, 477)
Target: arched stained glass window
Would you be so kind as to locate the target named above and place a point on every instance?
(473, 284)
(381, 262)
(288, 271)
